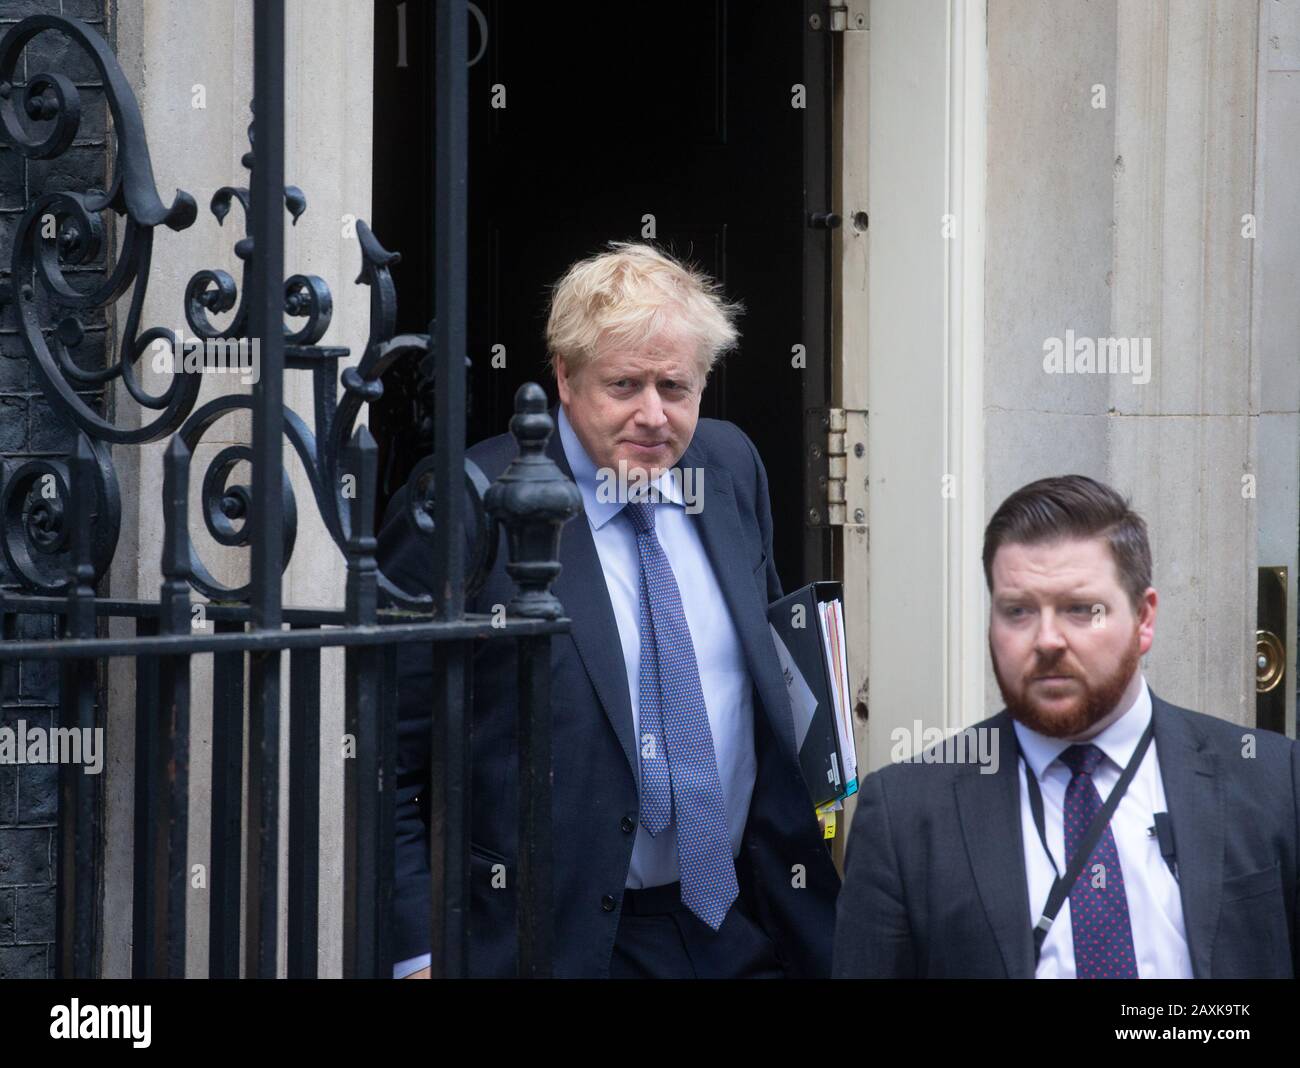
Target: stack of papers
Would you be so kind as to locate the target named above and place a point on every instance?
(808, 634)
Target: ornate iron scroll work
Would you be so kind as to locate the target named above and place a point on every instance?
(40, 119)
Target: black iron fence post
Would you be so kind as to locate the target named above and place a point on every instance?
(532, 500)
(267, 329)
(304, 812)
(225, 860)
(450, 723)
(367, 880)
(173, 822)
(146, 853)
(79, 834)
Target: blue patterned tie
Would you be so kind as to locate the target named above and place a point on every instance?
(679, 769)
(1099, 920)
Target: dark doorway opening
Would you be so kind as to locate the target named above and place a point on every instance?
(614, 112)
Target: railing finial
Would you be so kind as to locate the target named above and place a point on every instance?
(532, 499)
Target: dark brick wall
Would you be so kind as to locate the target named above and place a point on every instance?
(28, 428)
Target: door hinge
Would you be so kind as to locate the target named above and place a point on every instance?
(837, 467)
(840, 17)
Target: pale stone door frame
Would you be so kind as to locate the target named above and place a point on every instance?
(910, 330)
(909, 350)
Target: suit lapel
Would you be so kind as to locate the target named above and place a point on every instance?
(998, 859)
(1194, 795)
(582, 591)
(718, 522)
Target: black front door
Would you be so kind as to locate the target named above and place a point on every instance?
(597, 121)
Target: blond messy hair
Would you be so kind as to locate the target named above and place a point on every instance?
(629, 294)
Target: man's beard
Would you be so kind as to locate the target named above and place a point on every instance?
(1098, 700)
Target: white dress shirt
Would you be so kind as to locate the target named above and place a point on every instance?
(1154, 906)
(724, 675)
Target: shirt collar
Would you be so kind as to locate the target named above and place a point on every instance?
(599, 495)
(1117, 741)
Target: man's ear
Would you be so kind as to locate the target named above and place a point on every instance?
(562, 379)
(1147, 619)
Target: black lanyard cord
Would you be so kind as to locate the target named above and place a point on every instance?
(1061, 888)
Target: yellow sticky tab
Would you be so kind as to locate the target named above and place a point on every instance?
(828, 825)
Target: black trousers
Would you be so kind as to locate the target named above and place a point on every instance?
(660, 938)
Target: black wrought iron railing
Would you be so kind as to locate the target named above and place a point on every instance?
(62, 521)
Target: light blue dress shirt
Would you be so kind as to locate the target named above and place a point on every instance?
(724, 675)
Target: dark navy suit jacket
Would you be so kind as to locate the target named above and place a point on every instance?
(785, 872)
(935, 883)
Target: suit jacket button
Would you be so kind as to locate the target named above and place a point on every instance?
(628, 825)
(607, 903)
